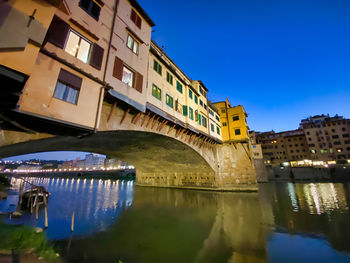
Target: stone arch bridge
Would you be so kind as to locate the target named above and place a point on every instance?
(164, 153)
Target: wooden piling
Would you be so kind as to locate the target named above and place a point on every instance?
(72, 225)
(45, 204)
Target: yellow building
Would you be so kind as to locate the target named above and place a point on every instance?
(233, 122)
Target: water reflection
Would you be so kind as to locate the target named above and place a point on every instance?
(284, 222)
(96, 206)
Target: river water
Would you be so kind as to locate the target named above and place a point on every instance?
(115, 220)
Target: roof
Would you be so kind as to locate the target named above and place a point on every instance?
(142, 12)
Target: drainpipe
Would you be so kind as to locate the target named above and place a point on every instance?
(106, 87)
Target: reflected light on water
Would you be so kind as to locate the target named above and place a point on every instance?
(317, 198)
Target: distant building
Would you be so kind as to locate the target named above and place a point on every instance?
(284, 146)
(256, 148)
(233, 121)
(94, 161)
(328, 137)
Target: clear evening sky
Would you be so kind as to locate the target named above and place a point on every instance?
(283, 60)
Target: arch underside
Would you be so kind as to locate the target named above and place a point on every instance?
(148, 152)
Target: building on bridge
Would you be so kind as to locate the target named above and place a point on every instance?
(85, 75)
(233, 121)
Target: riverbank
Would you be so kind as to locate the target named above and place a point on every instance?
(19, 243)
(127, 174)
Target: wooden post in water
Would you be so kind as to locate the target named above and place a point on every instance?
(45, 204)
(72, 225)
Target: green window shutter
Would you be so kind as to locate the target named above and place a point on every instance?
(196, 99)
(199, 119)
(190, 93)
(184, 110)
(179, 86)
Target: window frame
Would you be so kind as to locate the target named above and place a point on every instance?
(178, 84)
(169, 78)
(171, 101)
(88, 10)
(77, 51)
(133, 76)
(156, 92)
(157, 67)
(132, 44)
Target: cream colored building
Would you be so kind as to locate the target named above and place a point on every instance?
(203, 121)
(214, 122)
(167, 87)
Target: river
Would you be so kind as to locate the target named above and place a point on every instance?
(116, 220)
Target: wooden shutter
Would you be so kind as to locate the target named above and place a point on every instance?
(70, 79)
(57, 32)
(118, 68)
(184, 110)
(138, 22)
(133, 16)
(96, 56)
(139, 80)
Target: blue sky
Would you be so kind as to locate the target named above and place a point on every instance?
(283, 60)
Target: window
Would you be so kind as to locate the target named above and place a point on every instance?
(345, 135)
(218, 130)
(67, 87)
(132, 44)
(90, 7)
(190, 93)
(196, 115)
(204, 121)
(205, 106)
(335, 136)
(235, 118)
(217, 118)
(157, 67)
(237, 131)
(156, 92)
(128, 77)
(78, 46)
(199, 119)
(212, 128)
(337, 143)
(211, 112)
(135, 18)
(191, 113)
(196, 99)
(223, 111)
(169, 78)
(347, 142)
(169, 101)
(224, 124)
(201, 102)
(179, 86)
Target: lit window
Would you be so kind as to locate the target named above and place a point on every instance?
(132, 44)
(169, 101)
(128, 76)
(78, 46)
(156, 92)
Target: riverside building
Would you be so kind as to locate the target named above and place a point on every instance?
(233, 122)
